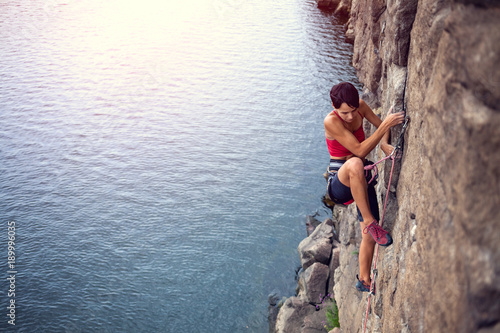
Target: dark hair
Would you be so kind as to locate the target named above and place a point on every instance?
(344, 92)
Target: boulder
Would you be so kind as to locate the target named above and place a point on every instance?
(343, 8)
(291, 316)
(312, 283)
(318, 246)
(313, 323)
(311, 224)
(328, 4)
(271, 318)
(273, 310)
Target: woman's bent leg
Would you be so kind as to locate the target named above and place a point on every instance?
(352, 174)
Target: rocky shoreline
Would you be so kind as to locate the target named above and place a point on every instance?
(306, 312)
(438, 61)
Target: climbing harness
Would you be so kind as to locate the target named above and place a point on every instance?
(393, 157)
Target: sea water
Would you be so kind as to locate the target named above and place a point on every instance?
(159, 158)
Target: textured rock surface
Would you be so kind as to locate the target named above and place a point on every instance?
(334, 263)
(298, 316)
(343, 8)
(328, 4)
(311, 224)
(318, 246)
(305, 313)
(273, 311)
(313, 282)
(313, 322)
(291, 316)
(439, 60)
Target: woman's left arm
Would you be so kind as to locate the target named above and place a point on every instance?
(376, 121)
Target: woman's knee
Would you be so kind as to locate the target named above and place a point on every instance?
(356, 167)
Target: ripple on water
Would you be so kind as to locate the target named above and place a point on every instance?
(159, 174)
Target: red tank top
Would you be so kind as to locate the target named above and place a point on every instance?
(336, 149)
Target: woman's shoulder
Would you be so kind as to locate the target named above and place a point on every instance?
(333, 125)
(362, 105)
(363, 108)
(331, 118)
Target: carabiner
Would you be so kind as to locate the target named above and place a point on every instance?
(401, 135)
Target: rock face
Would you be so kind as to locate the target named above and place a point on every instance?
(438, 60)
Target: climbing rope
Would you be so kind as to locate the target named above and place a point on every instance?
(392, 156)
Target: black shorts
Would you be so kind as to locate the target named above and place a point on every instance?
(341, 194)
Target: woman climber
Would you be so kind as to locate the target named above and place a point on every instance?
(348, 148)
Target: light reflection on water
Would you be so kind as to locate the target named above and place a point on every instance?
(160, 166)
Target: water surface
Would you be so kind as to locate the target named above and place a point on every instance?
(159, 159)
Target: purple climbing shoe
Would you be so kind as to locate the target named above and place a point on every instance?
(361, 285)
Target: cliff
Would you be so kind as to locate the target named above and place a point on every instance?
(438, 61)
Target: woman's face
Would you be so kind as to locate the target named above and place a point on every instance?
(347, 113)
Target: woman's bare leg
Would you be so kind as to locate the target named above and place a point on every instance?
(352, 174)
